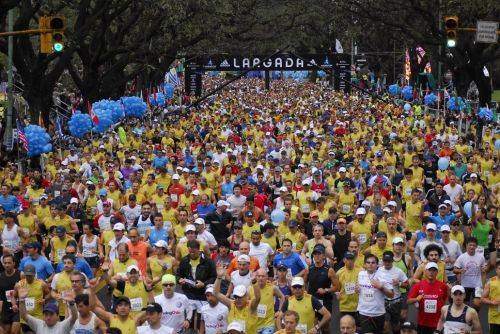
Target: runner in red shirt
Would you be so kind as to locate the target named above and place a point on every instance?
(431, 295)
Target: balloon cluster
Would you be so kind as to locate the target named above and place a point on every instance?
(134, 106)
(456, 104)
(485, 114)
(430, 99)
(79, 124)
(158, 101)
(169, 90)
(296, 75)
(114, 108)
(394, 90)
(322, 74)
(407, 92)
(38, 140)
(105, 120)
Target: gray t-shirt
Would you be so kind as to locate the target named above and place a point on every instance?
(40, 327)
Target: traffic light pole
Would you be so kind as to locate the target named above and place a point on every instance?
(26, 32)
(8, 135)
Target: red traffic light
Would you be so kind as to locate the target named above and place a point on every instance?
(56, 23)
(451, 22)
(57, 37)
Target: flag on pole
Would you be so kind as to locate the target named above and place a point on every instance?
(407, 66)
(172, 77)
(338, 47)
(21, 136)
(94, 117)
(59, 126)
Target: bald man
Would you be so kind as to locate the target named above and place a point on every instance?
(244, 248)
(347, 325)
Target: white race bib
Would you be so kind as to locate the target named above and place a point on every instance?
(430, 305)
(60, 253)
(346, 208)
(261, 311)
(305, 208)
(302, 328)
(136, 304)
(362, 238)
(87, 252)
(26, 231)
(243, 324)
(30, 303)
(368, 295)
(350, 288)
(408, 191)
(159, 207)
(174, 197)
(480, 249)
(8, 295)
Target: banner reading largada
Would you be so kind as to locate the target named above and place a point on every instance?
(277, 62)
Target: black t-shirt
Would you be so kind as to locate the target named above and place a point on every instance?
(217, 223)
(7, 284)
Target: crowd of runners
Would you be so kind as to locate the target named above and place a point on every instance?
(259, 212)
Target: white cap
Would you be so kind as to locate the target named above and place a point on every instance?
(73, 200)
(431, 265)
(301, 165)
(244, 258)
(185, 170)
(209, 289)
(260, 167)
(473, 175)
(392, 203)
(132, 267)
(457, 288)
(250, 152)
(235, 326)
(397, 240)
(176, 177)
(342, 170)
(361, 211)
(442, 206)
(297, 281)
(447, 202)
(133, 157)
(161, 243)
(306, 182)
(239, 290)
(223, 203)
(190, 228)
(119, 227)
(366, 203)
(387, 209)
(199, 221)
(179, 168)
(431, 226)
(283, 188)
(445, 228)
(195, 192)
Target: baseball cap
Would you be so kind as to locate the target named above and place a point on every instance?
(190, 228)
(360, 211)
(176, 177)
(445, 228)
(447, 202)
(244, 258)
(185, 170)
(223, 203)
(132, 267)
(387, 209)
(283, 189)
(29, 270)
(195, 192)
(73, 200)
(292, 223)
(473, 175)
(342, 170)
(306, 182)
(153, 308)
(103, 192)
(60, 229)
(457, 288)
(319, 249)
(409, 325)
(168, 279)
(366, 203)
(50, 307)
(388, 256)
(249, 214)
(281, 265)
(431, 226)
(392, 203)
(239, 291)
(199, 221)
(118, 227)
(122, 299)
(431, 265)
(314, 214)
(161, 244)
(235, 326)
(209, 289)
(381, 234)
(349, 255)
(442, 206)
(398, 240)
(297, 281)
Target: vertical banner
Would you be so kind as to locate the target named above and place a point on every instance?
(342, 72)
(407, 67)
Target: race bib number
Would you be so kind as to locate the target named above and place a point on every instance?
(302, 328)
(346, 208)
(305, 208)
(9, 294)
(174, 197)
(480, 249)
(26, 231)
(87, 252)
(362, 238)
(368, 295)
(350, 288)
(430, 306)
(428, 180)
(136, 304)
(60, 253)
(30, 303)
(159, 207)
(408, 191)
(57, 193)
(261, 311)
(243, 325)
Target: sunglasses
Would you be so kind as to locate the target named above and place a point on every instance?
(371, 262)
(297, 287)
(282, 269)
(169, 284)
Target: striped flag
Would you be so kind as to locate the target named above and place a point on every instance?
(407, 66)
(21, 136)
(59, 127)
(172, 77)
(94, 117)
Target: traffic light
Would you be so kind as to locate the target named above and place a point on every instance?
(58, 25)
(45, 37)
(451, 27)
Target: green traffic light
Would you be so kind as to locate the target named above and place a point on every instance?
(58, 47)
(451, 43)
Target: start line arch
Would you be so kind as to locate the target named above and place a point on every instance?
(339, 63)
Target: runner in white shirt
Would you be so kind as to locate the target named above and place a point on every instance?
(451, 252)
(203, 234)
(237, 201)
(154, 313)
(119, 230)
(454, 190)
(177, 313)
(131, 211)
(470, 268)
(242, 276)
(372, 289)
(262, 251)
(213, 315)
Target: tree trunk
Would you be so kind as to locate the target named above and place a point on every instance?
(40, 101)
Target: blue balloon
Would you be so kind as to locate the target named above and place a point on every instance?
(38, 140)
(497, 144)
(134, 106)
(169, 90)
(430, 99)
(158, 101)
(407, 92)
(394, 90)
(407, 107)
(105, 120)
(485, 114)
(277, 216)
(114, 108)
(321, 74)
(468, 209)
(443, 163)
(456, 104)
(79, 124)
